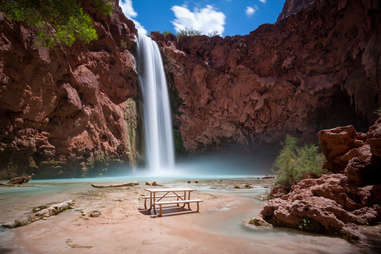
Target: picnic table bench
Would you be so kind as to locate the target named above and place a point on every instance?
(156, 196)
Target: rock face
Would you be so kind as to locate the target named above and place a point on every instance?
(292, 7)
(335, 203)
(316, 69)
(64, 111)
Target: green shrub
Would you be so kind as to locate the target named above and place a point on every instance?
(55, 21)
(188, 32)
(166, 33)
(295, 163)
(103, 6)
(212, 34)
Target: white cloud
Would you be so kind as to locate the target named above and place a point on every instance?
(251, 10)
(206, 20)
(263, 1)
(130, 13)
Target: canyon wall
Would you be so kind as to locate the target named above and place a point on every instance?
(318, 67)
(68, 111)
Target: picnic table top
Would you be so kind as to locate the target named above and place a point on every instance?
(168, 189)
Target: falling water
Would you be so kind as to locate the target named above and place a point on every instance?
(157, 113)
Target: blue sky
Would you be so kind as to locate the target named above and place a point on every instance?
(226, 17)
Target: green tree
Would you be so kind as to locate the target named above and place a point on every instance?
(55, 21)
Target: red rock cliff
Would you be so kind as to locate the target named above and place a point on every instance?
(64, 111)
(316, 69)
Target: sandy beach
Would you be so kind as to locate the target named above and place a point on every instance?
(220, 226)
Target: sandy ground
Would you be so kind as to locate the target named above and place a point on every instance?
(122, 227)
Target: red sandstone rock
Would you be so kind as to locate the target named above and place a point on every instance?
(323, 205)
(334, 203)
(335, 144)
(374, 138)
(292, 7)
(63, 109)
(306, 72)
(278, 191)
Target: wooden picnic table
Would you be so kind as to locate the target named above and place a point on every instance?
(182, 195)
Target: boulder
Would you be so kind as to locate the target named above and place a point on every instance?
(334, 203)
(259, 222)
(374, 138)
(335, 143)
(325, 205)
(278, 190)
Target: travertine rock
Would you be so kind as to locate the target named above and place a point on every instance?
(334, 203)
(312, 70)
(63, 110)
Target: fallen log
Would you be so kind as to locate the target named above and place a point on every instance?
(20, 179)
(39, 215)
(115, 185)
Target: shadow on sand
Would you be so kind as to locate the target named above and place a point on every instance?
(5, 250)
(167, 211)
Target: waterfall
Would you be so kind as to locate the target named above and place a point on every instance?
(157, 113)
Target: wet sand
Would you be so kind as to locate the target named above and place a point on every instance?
(123, 228)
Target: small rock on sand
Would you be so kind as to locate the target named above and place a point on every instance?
(259, 222)
(154, 183)
(95, 213)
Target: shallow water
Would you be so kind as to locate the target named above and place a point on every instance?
(228, 220)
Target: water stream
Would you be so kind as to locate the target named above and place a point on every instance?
(157, 113)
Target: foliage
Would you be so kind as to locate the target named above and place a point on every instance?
(55, 21)
(192, 32)
(166, 33)
(32, 162)
(294, 163)
(188, 32)
(212, 34)
(103, 6)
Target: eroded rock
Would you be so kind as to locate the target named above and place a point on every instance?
(67, 117)
(334, 203)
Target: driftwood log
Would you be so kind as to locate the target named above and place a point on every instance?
(39, 215)
(20, 179)
(114, 185)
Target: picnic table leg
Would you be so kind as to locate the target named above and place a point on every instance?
(150, 201)
(189, 199)
(154, 201)
(177, 199)
(185, 198)
(198, 206)
(145, 204)
(161, 213)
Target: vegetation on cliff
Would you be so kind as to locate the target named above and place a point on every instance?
(55, 21)
(295, 163)
(193, 32)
